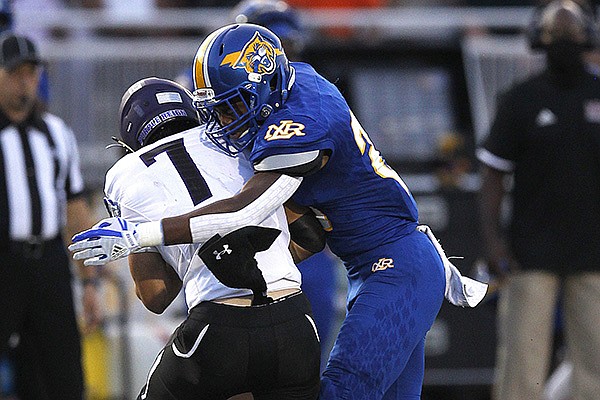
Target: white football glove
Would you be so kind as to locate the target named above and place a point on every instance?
(460, 290)
(109, 240)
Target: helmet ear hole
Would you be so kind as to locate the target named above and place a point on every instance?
(265, 111)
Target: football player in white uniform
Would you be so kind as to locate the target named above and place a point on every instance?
(249, 327)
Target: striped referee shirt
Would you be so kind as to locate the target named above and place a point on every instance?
(39, 172)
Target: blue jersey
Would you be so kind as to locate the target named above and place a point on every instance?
(365, 201)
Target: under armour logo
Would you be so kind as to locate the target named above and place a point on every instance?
(285, 130)
(382, 263)
(226, 250)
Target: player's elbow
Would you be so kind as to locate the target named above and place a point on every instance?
(156, 283)
(156, 296)
(154, 302)
(157, 308)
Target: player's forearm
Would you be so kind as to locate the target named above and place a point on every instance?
(156, 283)
(177, 229)
(490, 201)
(262, 194)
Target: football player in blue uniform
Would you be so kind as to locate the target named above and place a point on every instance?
(319, 272)
(306, 144)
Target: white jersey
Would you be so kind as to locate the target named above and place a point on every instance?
(174, 176)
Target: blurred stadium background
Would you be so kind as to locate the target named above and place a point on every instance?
(422, 80)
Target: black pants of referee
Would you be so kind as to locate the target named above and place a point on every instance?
(221, 350)
(36, 303)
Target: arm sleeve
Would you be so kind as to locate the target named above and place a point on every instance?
(500, 149)
(204, 227)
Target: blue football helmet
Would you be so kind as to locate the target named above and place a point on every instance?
(241, 75)
(153, 108)
(277, 16)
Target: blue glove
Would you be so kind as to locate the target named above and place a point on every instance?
(109, 240)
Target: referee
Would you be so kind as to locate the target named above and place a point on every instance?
(41, 202)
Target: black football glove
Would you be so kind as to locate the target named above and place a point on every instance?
(231, 259)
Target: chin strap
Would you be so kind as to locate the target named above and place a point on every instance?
(119, 143)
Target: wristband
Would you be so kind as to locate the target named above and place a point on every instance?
(149, 234)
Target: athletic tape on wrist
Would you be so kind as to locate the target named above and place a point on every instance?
(204, 227)
(149, 233)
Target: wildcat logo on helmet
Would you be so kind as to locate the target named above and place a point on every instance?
(258, 55)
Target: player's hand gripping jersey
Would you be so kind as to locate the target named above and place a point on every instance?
(176, 169)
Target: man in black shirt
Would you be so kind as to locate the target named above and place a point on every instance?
(547, 136)
(41, 191)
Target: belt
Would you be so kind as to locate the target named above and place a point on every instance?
(246, 301)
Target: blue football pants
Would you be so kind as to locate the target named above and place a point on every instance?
(380, 350)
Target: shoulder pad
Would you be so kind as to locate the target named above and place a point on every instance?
(293, 164)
